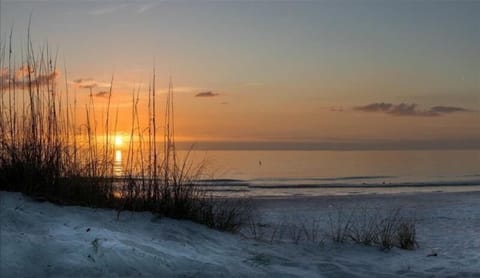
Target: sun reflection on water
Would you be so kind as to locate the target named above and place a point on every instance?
(117, 164)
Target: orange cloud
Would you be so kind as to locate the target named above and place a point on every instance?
(89, 83)
(20, 80)
(102, 94)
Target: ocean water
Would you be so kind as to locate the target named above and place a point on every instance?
(288, 173)
(312, 173)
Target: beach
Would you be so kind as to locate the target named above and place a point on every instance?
(40, 239)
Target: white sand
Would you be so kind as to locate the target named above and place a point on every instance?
(46, 240)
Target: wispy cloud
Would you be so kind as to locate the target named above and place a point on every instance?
(89, 83)
(24, 71)
(404, 109)
(145, 7)
(207, 94)
(139, 8)
(375, 107)
(21, 79)
(107, 10)
(336, 109)
(180, 89)
(448, 109)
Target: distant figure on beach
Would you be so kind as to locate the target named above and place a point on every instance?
(259, 163)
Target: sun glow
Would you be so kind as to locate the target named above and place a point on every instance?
(118, 141)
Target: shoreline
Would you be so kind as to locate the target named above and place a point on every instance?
(292, 193)
(361, 195)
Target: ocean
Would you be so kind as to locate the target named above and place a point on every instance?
(313, 173)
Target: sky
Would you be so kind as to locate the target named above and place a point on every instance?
(275, 74)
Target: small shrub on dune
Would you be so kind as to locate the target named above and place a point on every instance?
(224, 214)
(364, 229)
(311, 229)
(387, 229)
(340, 225)
(396, 230)
(406, 235)
(369, 227)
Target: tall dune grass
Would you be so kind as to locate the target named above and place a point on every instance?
(42, 151)
(45, 152)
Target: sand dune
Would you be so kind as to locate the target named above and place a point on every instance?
(40, 239)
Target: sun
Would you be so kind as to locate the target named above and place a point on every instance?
(118, 141)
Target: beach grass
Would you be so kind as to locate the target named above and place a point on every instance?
(45, 152)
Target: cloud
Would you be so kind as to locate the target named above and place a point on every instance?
(107, 10)
(139, 8)
(180, 89)
(207, 94)
(145, 7)
(375, 107)
(85, 83)
(336, 109)
(448, 109)
(404, 109)
(89, 83)
(102, 94)
(4, 75)
(21, 81)
(23, 71)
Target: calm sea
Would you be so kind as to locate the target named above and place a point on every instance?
(279, 173)
(287, 173)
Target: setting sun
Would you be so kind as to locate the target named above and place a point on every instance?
(118, 140)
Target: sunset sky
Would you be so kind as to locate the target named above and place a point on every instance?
(304, 74)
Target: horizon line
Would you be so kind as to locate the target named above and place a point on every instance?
(328, 146)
